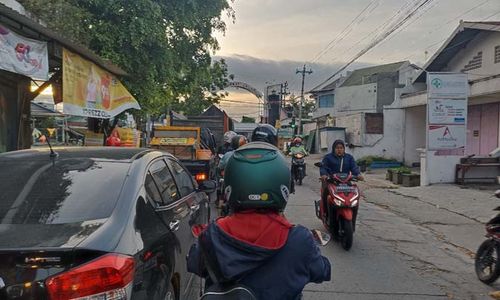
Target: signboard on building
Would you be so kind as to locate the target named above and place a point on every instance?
(89, 91)
(446, 137)
(447, 112)
(447, 86)
(23, 56)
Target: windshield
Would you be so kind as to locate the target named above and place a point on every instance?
(66, 191)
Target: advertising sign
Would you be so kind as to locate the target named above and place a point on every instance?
(23, 56)
(447, 85)
(446, 137)
(447, 111)
(89, 91)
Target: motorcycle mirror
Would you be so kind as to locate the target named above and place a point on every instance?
(318, 164)
(321, 238)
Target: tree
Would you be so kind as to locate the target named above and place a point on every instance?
(246, 119)
(164, 45)
(307, 107)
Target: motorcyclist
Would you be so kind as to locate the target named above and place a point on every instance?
(265, 133)
(236, 142)
(298, 147)
(228, 136)
(255, 245)
(339, 162)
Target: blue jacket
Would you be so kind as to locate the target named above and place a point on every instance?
(332, 164)
(274, 274)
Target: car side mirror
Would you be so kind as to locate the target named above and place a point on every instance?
(318, 164)
(207, 186)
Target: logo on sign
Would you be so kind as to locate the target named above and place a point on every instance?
(437, 83)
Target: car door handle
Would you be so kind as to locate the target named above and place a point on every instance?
(174, 225)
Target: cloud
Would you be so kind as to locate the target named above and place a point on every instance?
(260, 73)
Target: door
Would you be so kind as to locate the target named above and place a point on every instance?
(489, 128)
(473, 130)
(157, 260)
(189, 199)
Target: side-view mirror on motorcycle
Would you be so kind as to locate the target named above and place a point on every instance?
(321, 238)
(319, 164)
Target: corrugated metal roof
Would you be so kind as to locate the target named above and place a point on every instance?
(356, 78)
(38, 110)
(32, 29)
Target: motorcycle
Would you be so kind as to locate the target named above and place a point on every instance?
(487, 261)
(338, 206)
(298, 167)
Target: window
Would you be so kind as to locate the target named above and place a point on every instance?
(183, 178)
(374, 123)
(326, 101)
(65, 191)
(497, 54)
(160, 176)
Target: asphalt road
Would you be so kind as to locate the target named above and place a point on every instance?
(377, 266)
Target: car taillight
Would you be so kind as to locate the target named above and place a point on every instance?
(201, 177)
(103, 278)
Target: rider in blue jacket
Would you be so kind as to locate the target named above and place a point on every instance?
(339, 162)
(255, 245)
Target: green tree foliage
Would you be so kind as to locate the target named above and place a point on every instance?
(164, 45)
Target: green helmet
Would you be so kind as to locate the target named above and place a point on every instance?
(257, 177)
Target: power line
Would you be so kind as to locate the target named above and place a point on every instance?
(344, 32)
(378, 39)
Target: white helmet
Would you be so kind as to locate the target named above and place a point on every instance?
(228, 136)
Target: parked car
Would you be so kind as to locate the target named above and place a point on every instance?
(97, 223)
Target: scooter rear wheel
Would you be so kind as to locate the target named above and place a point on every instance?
(487, 261)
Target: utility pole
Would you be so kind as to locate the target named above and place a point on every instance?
(303, 72)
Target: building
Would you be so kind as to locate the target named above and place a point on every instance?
(473, 48)
(361, 102)
(15, 95)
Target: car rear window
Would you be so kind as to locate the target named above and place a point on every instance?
(60, 191)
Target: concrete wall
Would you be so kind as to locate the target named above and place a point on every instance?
(485, 42)
(438, 169)
(387, 145)
(352, 99)
(386, 85)
(414, 133)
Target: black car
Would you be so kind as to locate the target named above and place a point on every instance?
(97, 223)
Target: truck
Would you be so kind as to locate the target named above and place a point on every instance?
(193, 146)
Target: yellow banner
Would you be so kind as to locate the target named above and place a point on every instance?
(89, 91)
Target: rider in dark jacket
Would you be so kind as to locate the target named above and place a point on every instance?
(339, 162)
(256, 246)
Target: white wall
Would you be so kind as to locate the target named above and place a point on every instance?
(352, 99)
(438, 169)
(485, 42)
(354, 125)
(414, 123)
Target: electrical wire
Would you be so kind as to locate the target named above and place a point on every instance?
(381, 37)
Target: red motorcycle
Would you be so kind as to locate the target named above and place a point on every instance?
(338, 206)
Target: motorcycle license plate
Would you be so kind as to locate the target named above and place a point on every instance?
(345, 189)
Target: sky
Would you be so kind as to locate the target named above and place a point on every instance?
(270, 39)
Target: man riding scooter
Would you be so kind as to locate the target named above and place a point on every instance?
(255, 246)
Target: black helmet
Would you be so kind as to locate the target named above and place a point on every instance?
(238, 141)
(265, 133)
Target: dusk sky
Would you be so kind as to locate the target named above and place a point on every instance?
(271, 38)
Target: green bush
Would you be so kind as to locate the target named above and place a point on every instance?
(402, 170)
(368, 160)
